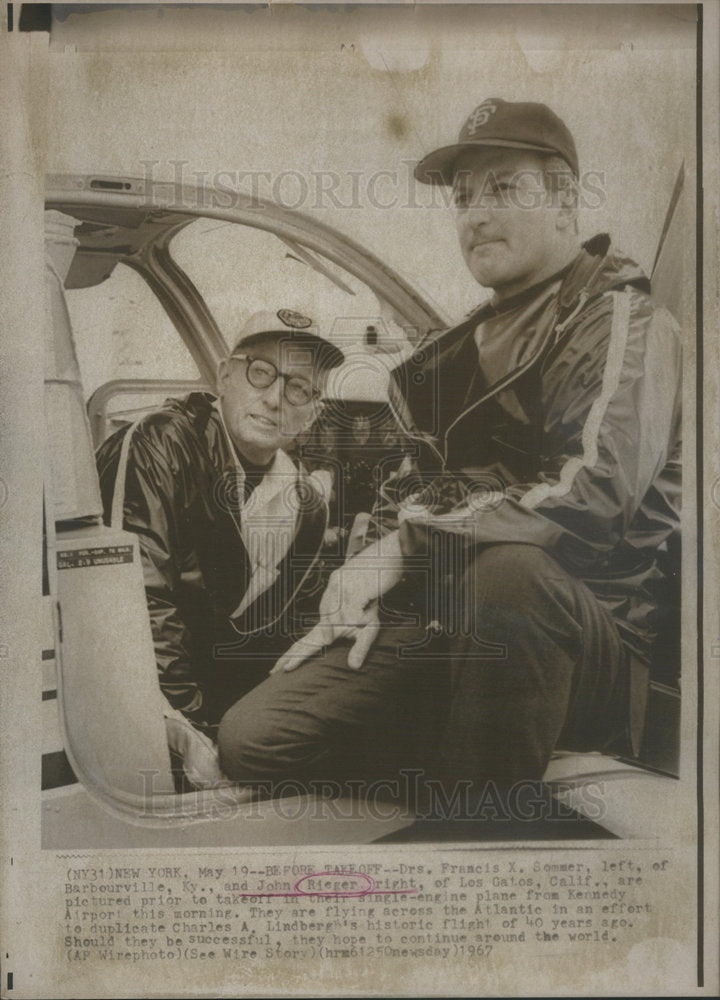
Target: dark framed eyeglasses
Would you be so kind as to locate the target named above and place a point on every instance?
(261, 374)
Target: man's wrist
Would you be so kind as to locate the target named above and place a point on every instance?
(386, 550)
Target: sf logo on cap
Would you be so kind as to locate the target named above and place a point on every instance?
(294, 319)
(480, 116)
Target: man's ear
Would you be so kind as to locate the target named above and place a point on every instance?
(568, 205)
(567, 218)
(315, 411)
(222, 376)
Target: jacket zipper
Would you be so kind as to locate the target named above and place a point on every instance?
(497, 387)
(555, 330)
(280, 614)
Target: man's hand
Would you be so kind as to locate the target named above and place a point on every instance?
(349, 606)
(199, 754)
(346, 611)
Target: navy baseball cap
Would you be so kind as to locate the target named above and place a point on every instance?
(515, 125)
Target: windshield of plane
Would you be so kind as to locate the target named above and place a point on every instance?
(240, 270)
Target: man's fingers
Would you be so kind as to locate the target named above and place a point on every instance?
(313, 642)
(324, 634)
(365, 639)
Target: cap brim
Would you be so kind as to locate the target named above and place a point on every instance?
(331, 356)
(438, 167)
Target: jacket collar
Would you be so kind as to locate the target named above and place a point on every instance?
(595, 270)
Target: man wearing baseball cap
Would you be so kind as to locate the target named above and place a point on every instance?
(229, 526)
(544, 495)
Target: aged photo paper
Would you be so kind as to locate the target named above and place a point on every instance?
(187, 189)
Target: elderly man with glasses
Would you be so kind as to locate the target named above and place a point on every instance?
(229, 526)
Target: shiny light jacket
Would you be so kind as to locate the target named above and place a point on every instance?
(214, 577)
(561, 429)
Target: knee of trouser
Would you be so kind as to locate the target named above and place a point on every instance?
(516, 574)
(254, 745)
(239, 748)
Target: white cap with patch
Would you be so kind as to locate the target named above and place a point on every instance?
(296, 326)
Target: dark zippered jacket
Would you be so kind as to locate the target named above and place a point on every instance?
(562, 430)
(183, 499)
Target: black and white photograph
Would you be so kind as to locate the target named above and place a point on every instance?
(358, 421)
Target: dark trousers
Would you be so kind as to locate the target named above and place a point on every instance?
(528, 659)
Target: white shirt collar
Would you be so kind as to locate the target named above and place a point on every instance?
(278, 476)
